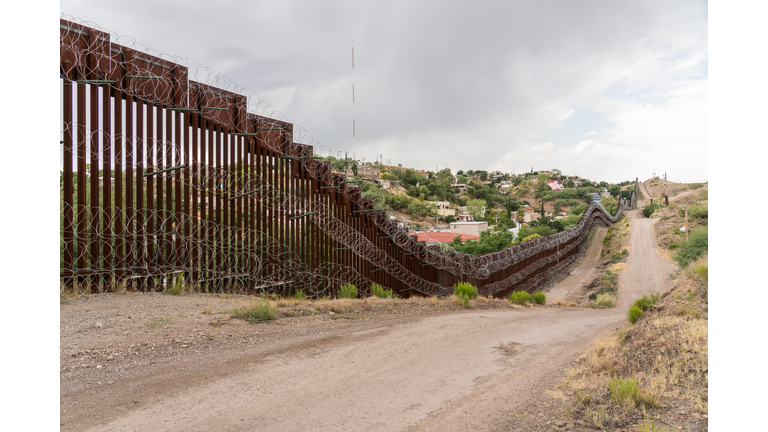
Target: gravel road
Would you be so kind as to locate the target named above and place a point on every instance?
(147, 362)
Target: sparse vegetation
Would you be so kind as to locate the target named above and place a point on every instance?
(653, 373)
(348, 291)
(623, 390)
(539, 297)
(379, 291)
(300, 295)
(465, 289)
(696, 246)
(176, 288)
(260, 312)
(520, 297)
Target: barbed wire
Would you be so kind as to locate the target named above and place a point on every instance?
(245, 258)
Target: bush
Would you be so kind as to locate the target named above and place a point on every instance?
(696, 246)
(699, 212)
(648, 210)
(579, 209)
(646, 302)
(256, 314)
(520, 297)
(539, 297)
(465, 289)
(380, 292)
(530, 237)
(634, 314)
(347, 291)
(463, 299)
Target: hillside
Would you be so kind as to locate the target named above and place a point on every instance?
(652, 374)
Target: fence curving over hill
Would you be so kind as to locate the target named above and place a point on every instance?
(167, 179)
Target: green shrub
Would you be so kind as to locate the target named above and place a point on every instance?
(634, 314)
(465, 288)
(464, 299)
(672, 246)
(608, 277)
(539, 297)
(703, 271)
(347, 291)
(623, 389)
(256, 314)
(380, 292)
(699, 212)
(616, 258)
(530, 237)
(520, 297)
(579, 209)
(696, 246)
(300, 295)
(648, 210)
(646, 302)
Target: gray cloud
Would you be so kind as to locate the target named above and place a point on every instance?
(458, 84)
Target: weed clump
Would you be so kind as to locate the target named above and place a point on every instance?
(177, 288)
(348, 291)
(634, 314)
(539, 297)
(465, 288)
(520, 297)
(300, 295)
(257, 313)
(380, 292)
(606, 300)
(623, 390)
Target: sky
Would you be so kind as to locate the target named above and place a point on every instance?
(601, 89)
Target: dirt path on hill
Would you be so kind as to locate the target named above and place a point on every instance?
(646, 272)
(568, 289)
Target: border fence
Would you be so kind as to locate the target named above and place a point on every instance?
(167, 180)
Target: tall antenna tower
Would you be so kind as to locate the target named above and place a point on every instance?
(353, 97)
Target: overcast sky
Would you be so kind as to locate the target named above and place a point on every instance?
(602, 89)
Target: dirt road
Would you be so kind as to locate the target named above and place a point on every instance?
(453, 372)
(646, 272)
(468, 370)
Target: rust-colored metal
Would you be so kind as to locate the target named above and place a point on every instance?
(225, 189)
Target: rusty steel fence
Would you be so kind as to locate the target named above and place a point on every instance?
(167, 180)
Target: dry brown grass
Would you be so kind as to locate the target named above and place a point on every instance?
(666, 352)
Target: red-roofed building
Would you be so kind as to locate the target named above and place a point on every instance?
(442, 237)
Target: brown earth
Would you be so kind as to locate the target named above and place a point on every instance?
(154, 362)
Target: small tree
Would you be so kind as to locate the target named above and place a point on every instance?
(476, 207)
